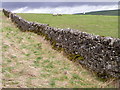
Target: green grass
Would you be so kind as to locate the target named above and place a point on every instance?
(95, 24)
(30, 62)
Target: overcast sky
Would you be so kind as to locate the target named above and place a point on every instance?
(58, 7)
(60, 0)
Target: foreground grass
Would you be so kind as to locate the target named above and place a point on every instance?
(29, 61)
(95, 24)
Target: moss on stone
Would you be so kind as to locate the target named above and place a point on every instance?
(75, 57)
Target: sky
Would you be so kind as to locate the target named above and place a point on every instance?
(59, 7)
(60, 0)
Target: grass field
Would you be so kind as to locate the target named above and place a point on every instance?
(95, 24)
(29, 61)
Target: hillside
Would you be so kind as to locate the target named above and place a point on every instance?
(29, 61)
(95, 24)
(105, 12)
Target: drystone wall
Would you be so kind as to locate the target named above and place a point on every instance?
(99, 54)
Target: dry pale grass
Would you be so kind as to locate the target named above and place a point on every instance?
(29, 61)
(0, 51)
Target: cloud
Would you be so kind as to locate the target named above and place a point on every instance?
(20, 10)
(60, 0)
(65, 9)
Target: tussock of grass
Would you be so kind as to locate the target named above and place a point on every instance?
(29, 61)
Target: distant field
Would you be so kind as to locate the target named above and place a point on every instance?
(95, 24)
(105, 12)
